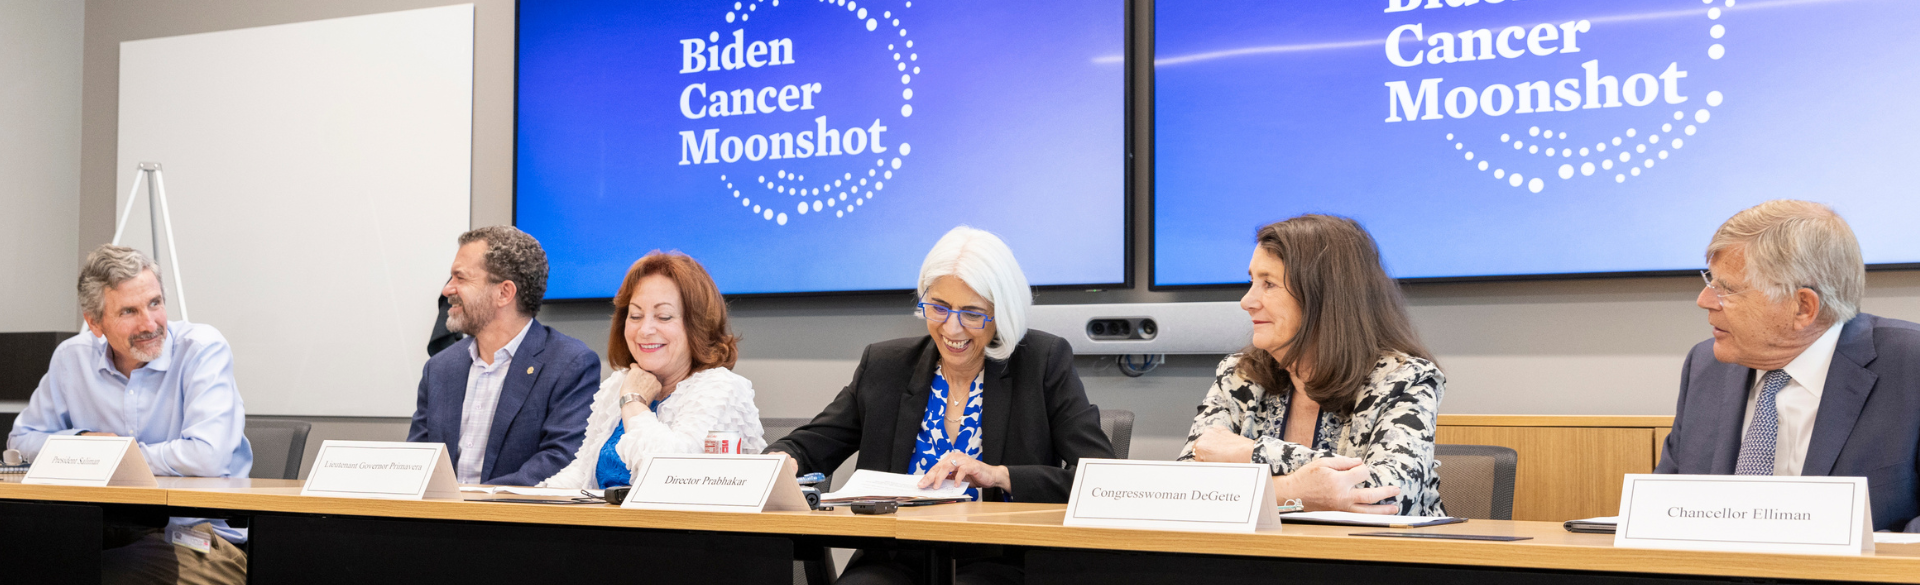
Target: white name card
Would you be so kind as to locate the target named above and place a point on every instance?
(381, 470)
(1771, 514)
(90, 461)
(716, 483)
(1162, 495)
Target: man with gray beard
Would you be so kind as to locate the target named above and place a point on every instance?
(511, 400)
(167, 384)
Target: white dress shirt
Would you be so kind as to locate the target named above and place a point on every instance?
(1798, 402)
(484, 382)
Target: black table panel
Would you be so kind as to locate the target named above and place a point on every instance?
(337, 549)
(1065, 566)
(50, 543)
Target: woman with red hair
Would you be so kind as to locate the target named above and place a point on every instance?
(670, 350)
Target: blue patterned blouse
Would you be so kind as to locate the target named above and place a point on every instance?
(932, 443)
(611, 471)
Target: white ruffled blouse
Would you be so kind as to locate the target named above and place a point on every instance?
(713, 399)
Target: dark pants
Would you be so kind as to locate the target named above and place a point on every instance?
(140, 554)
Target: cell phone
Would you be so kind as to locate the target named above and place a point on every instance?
(874, 508)
(1443, 536)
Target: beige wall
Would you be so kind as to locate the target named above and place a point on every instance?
(1607, 346)
(39, 162)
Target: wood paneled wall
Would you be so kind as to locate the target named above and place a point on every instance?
(1570, 467)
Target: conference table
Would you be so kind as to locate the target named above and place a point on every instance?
(297, 539)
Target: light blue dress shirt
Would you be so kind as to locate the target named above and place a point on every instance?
(183, 409)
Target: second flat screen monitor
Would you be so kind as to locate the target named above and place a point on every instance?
(1528, 137)
(814, 146)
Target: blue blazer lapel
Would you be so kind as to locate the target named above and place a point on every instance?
(1732, 387)
(913, 409)
(997, 395)
(1848, 384)
(520, 377)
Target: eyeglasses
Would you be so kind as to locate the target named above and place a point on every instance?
(1720, 293)
(938, 314)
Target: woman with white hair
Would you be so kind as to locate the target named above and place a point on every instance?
(979, 399)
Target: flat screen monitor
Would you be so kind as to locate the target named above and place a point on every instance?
(1521, 138)
(808, 146)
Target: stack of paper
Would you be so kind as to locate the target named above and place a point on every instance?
(1381, 520)
(527, 491)
(1895, 538)
(869, 485)
(1601, 525)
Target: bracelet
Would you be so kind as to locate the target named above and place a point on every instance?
(629, 398)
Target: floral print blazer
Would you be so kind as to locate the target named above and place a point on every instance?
(1391, 428)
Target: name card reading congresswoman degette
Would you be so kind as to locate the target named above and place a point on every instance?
(1771, 514)
(1164, 495)
(90, 461)
(381, 470)
(716, 483)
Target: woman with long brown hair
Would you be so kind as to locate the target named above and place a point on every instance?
(1335, 391)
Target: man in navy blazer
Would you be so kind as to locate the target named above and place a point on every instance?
(510, 400)
(1796, 381)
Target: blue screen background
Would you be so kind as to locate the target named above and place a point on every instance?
(1017, 127)
(1818, 104)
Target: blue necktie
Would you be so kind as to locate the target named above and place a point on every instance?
(1756, 449)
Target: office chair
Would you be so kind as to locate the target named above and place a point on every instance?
(1476, 481)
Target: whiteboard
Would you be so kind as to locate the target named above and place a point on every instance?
(317, 175)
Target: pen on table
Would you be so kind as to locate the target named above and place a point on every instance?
(811, 478)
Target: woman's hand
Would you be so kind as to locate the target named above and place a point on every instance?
(641, 383)
(1219, 445)
(959, 467)
(1328, 484)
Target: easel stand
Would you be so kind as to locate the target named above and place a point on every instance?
(159, 217)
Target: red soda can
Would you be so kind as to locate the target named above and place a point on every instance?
(723, 442)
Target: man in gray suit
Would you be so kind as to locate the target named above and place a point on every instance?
(1796, 380)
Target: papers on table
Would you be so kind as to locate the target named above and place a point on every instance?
(1381, 520)
(1601, 525)
(1895, 538)
(528, 491)
(867, 484)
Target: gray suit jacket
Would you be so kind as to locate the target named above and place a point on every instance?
(1868, 424)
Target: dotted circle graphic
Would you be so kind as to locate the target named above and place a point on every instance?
(1622, 157)
(855, 186)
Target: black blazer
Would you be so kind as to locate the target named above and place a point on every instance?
(1868, 424)
(1036, 419)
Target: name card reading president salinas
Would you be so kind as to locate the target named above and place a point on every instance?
(1773, 514)
(1159, 495)
(382, 470)
(90, 461)
(716, 483)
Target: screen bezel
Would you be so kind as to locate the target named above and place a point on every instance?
(1127, 197)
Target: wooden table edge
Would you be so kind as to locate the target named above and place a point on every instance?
(148, 496)
(1511, 555)
(587, 515)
